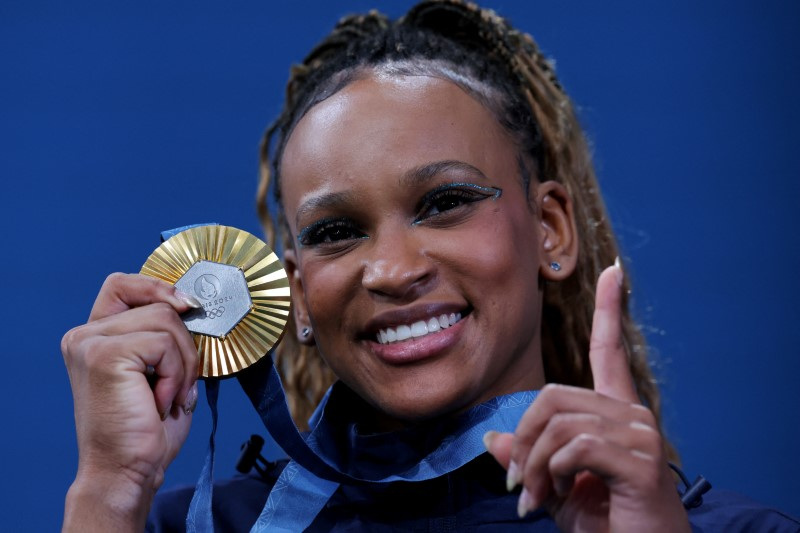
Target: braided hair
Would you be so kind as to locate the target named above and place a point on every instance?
(504, 70)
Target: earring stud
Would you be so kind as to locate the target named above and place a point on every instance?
(555, 265)
(305, 332)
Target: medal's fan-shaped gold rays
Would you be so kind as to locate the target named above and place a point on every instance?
(263, 325)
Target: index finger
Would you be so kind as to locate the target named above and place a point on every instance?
(121, 292)
(607, 356)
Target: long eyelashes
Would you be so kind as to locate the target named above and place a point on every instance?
(489, 192)
(441, 205)
(450, 197)
(329, 230)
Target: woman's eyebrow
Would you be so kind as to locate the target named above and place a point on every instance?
(422, 174)
(323, 201)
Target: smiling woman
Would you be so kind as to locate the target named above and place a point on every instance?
(413, 229)
(449, 256)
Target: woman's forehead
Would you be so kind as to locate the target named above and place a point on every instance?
(381, 100)
(387, 124)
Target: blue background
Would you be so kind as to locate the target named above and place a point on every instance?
(118, 120)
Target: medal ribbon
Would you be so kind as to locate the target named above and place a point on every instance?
(312, 476)
(199, 517)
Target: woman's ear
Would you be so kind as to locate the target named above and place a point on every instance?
(302, 321)
(558, 233)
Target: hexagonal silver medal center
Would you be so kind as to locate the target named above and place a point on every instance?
(223, 292)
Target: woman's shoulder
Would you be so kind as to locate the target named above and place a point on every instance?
(724, 510)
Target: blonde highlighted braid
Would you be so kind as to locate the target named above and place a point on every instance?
(516, 82)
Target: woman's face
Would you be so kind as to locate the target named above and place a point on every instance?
(390, 191)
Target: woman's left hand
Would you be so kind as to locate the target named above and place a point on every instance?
(594, 458)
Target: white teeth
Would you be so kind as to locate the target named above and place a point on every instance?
(417, 329)
(403, 333)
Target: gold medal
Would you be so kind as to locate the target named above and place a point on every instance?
(242, 286)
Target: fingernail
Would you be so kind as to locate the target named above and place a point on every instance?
(525, 503)
(488, 437)
(191, 400)
(188, 299)
(513, 476)
(165, 414)
(620, 272)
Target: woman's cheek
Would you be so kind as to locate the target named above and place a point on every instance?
(327, 284)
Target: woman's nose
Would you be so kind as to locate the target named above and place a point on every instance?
(397, 266)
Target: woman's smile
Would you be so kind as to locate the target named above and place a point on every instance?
(418, 329)
(417, 334)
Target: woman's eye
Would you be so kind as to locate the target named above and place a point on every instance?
(451, 197)
(336, 231)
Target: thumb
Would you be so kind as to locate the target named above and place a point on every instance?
(121, 292)
(607, 356)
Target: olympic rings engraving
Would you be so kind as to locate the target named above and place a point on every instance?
(216, 312)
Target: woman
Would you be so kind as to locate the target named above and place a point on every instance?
(444, 238)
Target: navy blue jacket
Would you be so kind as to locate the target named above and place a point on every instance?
(472, 498)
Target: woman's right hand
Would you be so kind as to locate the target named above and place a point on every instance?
(130, 424)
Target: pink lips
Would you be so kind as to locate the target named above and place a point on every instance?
(418, 348)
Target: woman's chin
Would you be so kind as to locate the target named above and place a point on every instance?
(413, 407)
